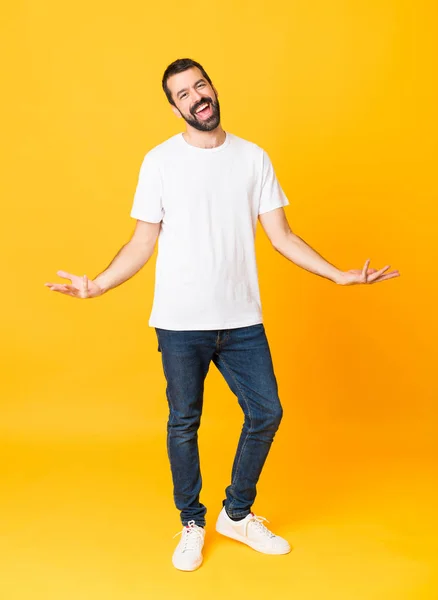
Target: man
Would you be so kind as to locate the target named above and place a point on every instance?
(200, 194)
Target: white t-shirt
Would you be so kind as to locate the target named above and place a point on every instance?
(208, 201)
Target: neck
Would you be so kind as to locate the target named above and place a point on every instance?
(205, 139)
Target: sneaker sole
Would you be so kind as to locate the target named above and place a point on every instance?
(187, 569)
(253, 545)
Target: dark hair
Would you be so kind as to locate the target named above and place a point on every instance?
(178, 66)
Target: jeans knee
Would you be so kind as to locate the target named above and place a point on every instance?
(277, 416)
(274, 419)
(270, 421)
(184, 425)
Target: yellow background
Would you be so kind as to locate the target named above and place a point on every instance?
(343, 96)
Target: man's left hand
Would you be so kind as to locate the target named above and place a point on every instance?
(366, 275)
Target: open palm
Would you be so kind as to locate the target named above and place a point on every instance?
(80, 287)
(366, 275)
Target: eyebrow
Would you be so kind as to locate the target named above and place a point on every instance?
(185, 89)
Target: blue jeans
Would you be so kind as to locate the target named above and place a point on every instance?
(243, 357)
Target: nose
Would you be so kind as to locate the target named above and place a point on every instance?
(195, 97)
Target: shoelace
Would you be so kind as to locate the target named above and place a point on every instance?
(191, 536)
(258, 524)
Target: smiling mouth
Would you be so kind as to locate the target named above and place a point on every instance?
(204, 111)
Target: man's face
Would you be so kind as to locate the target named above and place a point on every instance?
(195, 99)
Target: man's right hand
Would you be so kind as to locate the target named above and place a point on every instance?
(81, 287)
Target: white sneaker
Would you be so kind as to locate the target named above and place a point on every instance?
(252, 532)
(188, 553)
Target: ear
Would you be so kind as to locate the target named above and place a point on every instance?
(175, 111)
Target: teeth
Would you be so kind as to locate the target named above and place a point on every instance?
(202, 107)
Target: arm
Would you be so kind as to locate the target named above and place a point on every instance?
(299, 252)
(131, 257)
(295, 248)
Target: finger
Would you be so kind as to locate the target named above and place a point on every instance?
(68, 292)
(386, 276)
(85, 286)
(72, 289)
(57, 287)
(378, 273)
(365, 269)
(65, 274)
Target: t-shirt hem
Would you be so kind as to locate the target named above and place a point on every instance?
(194, 327)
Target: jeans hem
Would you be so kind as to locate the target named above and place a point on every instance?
(240, 515)
(199, 523)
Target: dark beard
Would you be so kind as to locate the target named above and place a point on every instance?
(210, 123)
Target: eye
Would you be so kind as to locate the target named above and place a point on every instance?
(183, 96)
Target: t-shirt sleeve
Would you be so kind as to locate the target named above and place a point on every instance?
(272, 195)
(148, 198)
